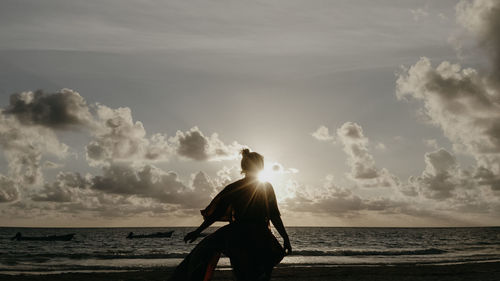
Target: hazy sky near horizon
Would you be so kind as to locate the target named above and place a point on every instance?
(132, 113)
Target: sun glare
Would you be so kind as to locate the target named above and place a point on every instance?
(265, 175)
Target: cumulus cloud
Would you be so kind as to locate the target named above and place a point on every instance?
(363, 168)
(152, 182)
(118, 137)
(323, 134)
(126, 180)
(23, 148)
(482, 18)
(356, 147)
(335, 200)
(119, 146)
(328, 198)
(61, 110)
(440, 177)
(8, 189)
(462, 102)
(194, 145)
(68, 187)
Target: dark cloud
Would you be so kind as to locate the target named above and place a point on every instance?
(127, 180)
(193, 144)
(62, 110)
(440, 177)
(488, 178)
(67, 187)
(123, 189)
(152, 182)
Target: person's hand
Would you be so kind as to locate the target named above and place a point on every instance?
(288, 247)
(191, 236)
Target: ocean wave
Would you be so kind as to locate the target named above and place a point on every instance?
(84, 256)
(429, 251)
(9, 259)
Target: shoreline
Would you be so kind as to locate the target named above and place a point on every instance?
(484, 271)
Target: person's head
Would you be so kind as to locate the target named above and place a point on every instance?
(251, 162)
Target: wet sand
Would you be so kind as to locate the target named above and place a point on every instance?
(474, 271)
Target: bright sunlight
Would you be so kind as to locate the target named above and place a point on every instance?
(266, 175)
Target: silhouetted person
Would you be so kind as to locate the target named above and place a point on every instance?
(247, 240)
(130, 235)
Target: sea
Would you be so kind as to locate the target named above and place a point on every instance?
(108, 249)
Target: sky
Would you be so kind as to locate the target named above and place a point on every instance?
(133, 113)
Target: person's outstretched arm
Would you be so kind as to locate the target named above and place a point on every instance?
(191, 236)
(278, 224)
(275, 216)
(218, 208)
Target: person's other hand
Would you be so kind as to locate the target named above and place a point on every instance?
(288, 247)
(191, 236)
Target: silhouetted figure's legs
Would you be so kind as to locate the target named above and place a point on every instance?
(201, 262)
(251, 248)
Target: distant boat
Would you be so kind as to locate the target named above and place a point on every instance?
(20, 237)
(167, 234)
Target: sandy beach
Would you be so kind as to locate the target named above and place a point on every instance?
(474, 271)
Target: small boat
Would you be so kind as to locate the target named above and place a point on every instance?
(167, 234)
(20, 237)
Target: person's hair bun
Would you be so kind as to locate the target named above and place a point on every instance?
(245, 152)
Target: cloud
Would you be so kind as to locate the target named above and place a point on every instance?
(486, 177)
(363, 168)
(65, 109)
(482, 18)
(356, 147)
(440, 177)
(52, 165)
(128, 181)
(8, 189)
(339, 201)
(23, 147)
(126, 185)
(328, 198)
(380, 146)
(323, 134)
(431, 143)
(68, 187)
(152, 182)
(194, 145)
(464, 103)
(420, 13)
(118, 138)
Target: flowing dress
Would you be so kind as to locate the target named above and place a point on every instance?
(253, 250)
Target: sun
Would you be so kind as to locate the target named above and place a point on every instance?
(265, 175)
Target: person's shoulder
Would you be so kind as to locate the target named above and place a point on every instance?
(268, 186)
(235, 184)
